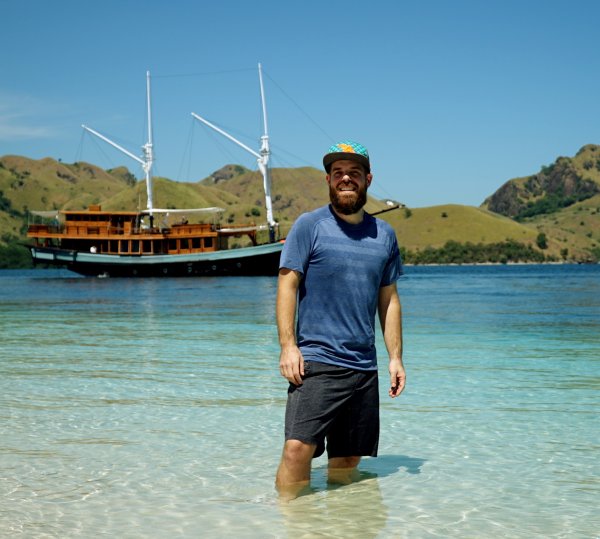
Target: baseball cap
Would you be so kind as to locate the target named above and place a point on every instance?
(347, 149)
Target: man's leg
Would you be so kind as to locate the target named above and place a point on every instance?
(342, 470)
(355, 430)
(293, 473)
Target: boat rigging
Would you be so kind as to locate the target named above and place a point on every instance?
(262, 156)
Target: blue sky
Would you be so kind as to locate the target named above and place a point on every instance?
(452, 98)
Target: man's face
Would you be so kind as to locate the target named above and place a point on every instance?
(348, 183)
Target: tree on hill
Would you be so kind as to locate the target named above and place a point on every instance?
(454, 252)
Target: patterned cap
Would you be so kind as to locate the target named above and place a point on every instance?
(347, 149)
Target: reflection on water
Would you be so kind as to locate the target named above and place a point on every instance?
(345, 512)
(354, 509)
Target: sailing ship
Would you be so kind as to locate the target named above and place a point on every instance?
(158, 242)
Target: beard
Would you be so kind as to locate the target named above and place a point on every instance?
(348, 202)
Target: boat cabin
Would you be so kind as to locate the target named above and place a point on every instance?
(124, 233)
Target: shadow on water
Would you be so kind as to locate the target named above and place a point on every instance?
(385, 465)
(369, 468)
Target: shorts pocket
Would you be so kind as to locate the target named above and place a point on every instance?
(308, 367)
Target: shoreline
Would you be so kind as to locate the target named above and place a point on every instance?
(564, 263)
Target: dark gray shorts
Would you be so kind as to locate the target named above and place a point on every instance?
(336, 404)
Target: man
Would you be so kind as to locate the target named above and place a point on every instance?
(339, 266)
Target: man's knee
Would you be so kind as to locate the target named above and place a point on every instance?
(344, 462)
(297, 451)
(294, 469)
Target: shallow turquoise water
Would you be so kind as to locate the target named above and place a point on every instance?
(153, 408)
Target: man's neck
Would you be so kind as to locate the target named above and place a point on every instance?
(353, 218)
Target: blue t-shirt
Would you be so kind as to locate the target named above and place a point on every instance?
(343, 266)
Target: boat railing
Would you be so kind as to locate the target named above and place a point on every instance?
(190, 229)
(71, 228)
(44, 229)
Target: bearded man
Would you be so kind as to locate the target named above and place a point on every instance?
(338, 269)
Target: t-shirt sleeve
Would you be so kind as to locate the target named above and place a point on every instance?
(297, 246)
(393, 269)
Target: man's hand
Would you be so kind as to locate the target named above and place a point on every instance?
(291, 364)
(397, 377)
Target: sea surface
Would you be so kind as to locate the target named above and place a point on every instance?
(154, 408)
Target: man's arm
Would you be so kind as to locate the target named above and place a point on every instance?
(291, 362)
(390, 316)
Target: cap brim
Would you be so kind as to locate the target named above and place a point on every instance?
(331, 158)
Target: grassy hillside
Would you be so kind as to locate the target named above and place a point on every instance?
(168, 194)
(11, 227)
(436, 225)
(49, 184)
(565, 182)
(561, 201)
(571, 232)
(294, 191)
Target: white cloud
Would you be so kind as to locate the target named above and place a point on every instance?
(20, 119)
(11, 131)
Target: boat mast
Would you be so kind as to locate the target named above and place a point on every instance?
(262, 158)
(148, 148)
(148, 159)
(263, 162)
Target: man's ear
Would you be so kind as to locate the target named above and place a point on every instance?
(369, 179)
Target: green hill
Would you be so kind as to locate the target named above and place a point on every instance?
(294, 191)
(512, 219)
(561, 201)
(573, 231)
(436, 225)
(27, 184)
(565, 182)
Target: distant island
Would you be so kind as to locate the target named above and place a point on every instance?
(552, 215)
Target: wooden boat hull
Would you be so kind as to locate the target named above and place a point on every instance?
(257, 260)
